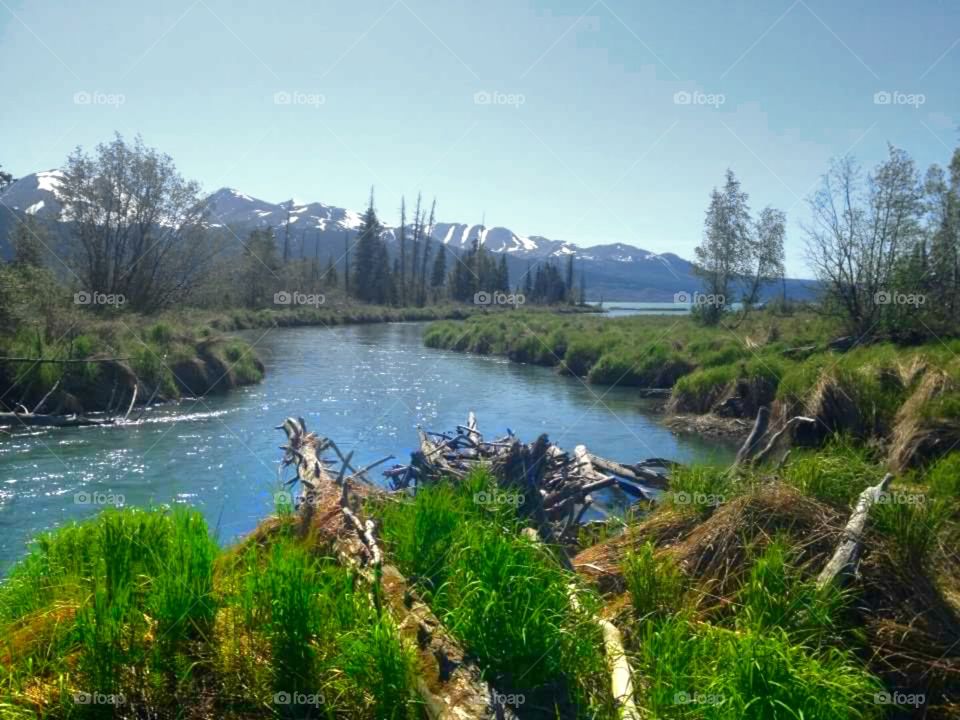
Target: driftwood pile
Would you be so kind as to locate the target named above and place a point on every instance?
(556, 489)
(450, 684)
(551, 487)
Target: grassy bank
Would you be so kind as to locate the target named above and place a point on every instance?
(715, 590)
(110, 355)
(139, 612)
(908, 397)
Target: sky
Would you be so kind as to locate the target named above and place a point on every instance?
(595, 121)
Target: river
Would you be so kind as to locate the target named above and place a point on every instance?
(366, 386)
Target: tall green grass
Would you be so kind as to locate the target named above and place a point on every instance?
(776, 656)
(142, 604)
(502, 596)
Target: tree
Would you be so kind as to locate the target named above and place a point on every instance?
(30, 240)
(503, 275)
(346, 263)
(260, 268)
(330, 275)
(5, 179)
(439, 273)
(861, 233)
(720, 257)
(403, 250)
(763, 263)
(136, 226)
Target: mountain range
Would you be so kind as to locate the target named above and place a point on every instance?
(615, 271)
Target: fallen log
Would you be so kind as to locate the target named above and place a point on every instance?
(39, 420)
(621, 675)
(788, 427)
(843, 564)
(638, 473)
(450, 685)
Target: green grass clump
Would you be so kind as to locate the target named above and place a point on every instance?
(700, 390)
(943, 477)
(774, 595)
(699, 489)
(655, 583)
(835, 474)
(505, 598)
(774, 653)
(144, 605)
(914, 521)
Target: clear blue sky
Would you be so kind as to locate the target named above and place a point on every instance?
(598, 151)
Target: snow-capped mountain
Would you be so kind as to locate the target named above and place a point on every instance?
(316, 230)
(34, 193)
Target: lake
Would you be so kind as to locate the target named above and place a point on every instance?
(367, 386)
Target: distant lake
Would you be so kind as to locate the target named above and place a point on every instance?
(366, 386)
(615, 308)
(619, 309)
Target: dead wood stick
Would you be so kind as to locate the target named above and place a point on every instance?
(62, 421)
(361, 473)
(752, 443)
(45, 397)
(846, 557)
(343, 467)
(793, 422)
(153, 395)
(639, 474)
(133, 399)
(621, 676)
(365, 531)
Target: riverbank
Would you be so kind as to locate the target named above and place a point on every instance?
(715, 598)
(110, 364)
(93, 363)
(907, 398)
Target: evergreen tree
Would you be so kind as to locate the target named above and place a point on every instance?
(330, 275)
(402, 240)
(439, 273)
(371, 272)
(260, 267)
(503, 275)
(346, 263)
(29, 239)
